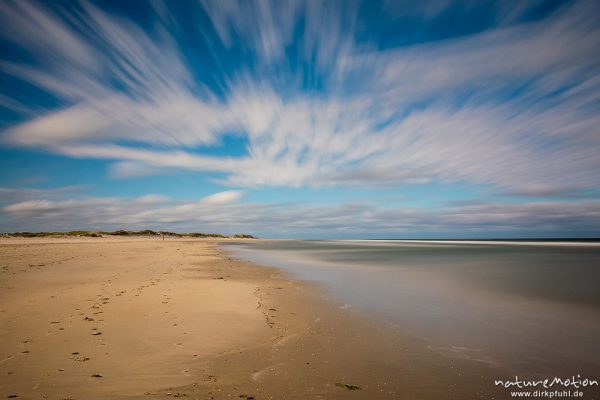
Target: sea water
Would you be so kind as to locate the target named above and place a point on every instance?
(530, 307)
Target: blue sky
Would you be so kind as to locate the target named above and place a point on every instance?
(302, 119)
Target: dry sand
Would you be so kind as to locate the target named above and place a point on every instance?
(116, 318)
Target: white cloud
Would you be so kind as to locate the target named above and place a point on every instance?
(267, 25)
(12, 195)
(30, 206)
(440, 111)
(151, 199)
(217, 214)
(228, 196)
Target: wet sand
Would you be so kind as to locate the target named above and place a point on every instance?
(143, 318)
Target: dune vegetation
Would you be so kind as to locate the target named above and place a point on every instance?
(145, 232)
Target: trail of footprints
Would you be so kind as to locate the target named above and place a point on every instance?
(94, 318)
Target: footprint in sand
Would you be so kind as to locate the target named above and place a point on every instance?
(78, 358)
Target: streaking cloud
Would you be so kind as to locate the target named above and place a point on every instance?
(321, 94)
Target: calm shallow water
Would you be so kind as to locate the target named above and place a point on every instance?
(529, 307)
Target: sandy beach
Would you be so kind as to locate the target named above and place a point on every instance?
(114, 318)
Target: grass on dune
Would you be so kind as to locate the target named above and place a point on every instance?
(145, 232)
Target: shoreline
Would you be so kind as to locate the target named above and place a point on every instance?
(250, 331)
